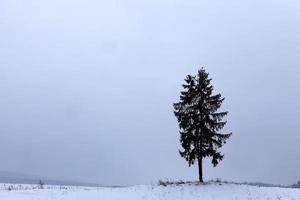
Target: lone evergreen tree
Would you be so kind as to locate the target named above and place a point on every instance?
(199, 121)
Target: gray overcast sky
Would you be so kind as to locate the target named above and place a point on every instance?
(86, 87)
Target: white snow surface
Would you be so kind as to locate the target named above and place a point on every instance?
(212, 191)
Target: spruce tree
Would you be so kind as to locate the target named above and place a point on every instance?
(199, 121)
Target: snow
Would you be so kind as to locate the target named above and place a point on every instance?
(213, 191)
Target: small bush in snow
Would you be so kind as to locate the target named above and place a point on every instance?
(41, 184)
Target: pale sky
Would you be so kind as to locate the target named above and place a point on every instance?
(87, 87)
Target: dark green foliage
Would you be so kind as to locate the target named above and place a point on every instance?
(199, 122)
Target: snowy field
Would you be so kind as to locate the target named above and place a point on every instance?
(211, 191)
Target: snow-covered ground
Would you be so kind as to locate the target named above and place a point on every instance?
(212, 191)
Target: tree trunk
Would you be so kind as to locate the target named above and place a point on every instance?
(200, 169)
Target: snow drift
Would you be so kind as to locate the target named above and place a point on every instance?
(212, 191)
